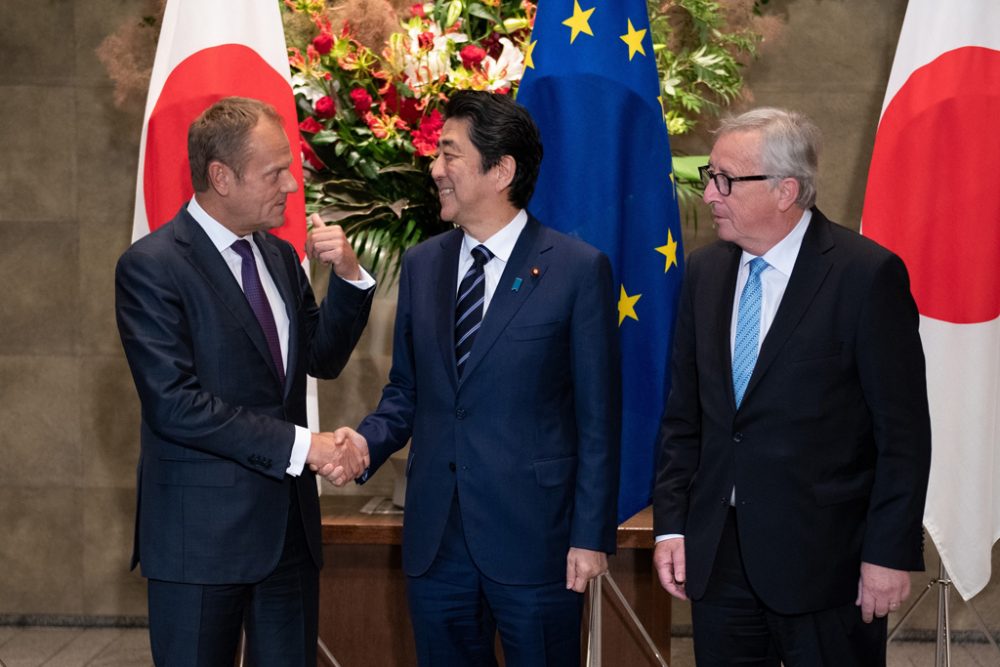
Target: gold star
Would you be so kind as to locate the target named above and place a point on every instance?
(626, 306)
(669, 251)
(634, 40)
(528, 50)
(579, 22)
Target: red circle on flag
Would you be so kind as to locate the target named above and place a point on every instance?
(933, 194)
(197, 82)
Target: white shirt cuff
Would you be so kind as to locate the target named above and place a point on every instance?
(365, 282)
(668, 536)
(300, 450)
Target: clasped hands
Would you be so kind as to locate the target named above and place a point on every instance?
(339, 456)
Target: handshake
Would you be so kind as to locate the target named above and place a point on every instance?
(339, 456)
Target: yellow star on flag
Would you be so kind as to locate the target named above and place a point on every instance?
(528, 50)
(579, 22)
(634, 40)
(626, 306)
(669, 251)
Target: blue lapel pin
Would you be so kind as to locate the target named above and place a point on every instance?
(517, 285)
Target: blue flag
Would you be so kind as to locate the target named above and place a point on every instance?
(592, 88)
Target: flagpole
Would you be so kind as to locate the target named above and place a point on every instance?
(943, 631)
(596, 617)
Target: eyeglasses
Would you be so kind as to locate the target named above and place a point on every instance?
(723, 182)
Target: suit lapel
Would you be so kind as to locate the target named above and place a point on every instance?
(811, 268)
(723, 316)
(506, 300)
(447, 281)
(208, 262)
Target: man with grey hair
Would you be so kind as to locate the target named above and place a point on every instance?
(794, 447)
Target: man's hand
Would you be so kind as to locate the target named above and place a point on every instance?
(337, 456)
(881, 590)
(582, 565)
(328, 244)
(668, 558)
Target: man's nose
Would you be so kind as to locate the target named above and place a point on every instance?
(289, 184)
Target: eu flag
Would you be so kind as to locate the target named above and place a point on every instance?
(591, 86)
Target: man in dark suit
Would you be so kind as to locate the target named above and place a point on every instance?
(513, 468)
(220, 327)
(795, 442)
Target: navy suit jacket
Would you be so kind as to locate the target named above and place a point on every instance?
(530, 435)
(830, 449)
(217, 427)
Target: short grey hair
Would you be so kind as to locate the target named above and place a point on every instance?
(789, 146)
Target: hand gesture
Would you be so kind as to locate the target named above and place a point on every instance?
(329, 244)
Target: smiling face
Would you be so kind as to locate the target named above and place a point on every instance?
(468, 195)
(751, 216)
(255, 201)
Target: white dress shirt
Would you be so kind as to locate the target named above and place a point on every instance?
(501, 245)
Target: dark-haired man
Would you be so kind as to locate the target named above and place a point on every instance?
(220, 327)
(514, 414)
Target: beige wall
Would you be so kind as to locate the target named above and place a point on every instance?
(68, 412)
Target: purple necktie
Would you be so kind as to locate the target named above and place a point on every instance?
(254, 292)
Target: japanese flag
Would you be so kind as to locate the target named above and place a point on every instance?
(933, 197)
(210, 49)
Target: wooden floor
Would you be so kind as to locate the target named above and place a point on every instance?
(114, 647)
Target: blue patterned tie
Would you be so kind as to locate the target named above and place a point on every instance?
(469, 306)
(747, 330)
(254, 292)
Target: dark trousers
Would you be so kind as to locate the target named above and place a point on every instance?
(733, 627)
(457, 612)
(199, 624)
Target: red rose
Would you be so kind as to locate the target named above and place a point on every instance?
(310, 125)
(362, 100)
(417, 9)
(472, 56)
(425, 40)
(425, 137)
(325, 107)
(323, 43)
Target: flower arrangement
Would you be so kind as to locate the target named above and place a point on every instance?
(370, 119)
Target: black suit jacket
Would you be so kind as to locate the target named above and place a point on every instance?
(529, 436)
(217, 427)
(830, 449)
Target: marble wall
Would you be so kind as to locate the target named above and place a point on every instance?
(68, 412)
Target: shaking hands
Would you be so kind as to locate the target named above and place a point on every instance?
(340, 456)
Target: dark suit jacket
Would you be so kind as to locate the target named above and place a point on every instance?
(217, 427)
(530, 435)
(830, 449)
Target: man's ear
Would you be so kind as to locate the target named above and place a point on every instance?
(788, 192)
(220, 177)
(504, 172)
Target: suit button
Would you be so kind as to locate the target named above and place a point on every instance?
(460, 413)
(451, 466)
(737, 437)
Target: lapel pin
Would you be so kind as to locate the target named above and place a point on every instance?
(535, 272)
(517, 285)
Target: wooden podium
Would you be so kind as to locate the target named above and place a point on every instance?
(363, 616)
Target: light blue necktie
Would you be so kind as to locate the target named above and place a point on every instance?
(747, 330)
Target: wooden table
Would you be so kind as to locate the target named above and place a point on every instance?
(363, 614)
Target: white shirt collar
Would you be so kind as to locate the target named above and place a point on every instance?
(220, 235)
(501, 244)
(783, 254)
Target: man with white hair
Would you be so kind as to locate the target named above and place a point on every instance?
(795, 443)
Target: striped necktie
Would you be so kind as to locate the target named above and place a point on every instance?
(469, 306)
(747, 330)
